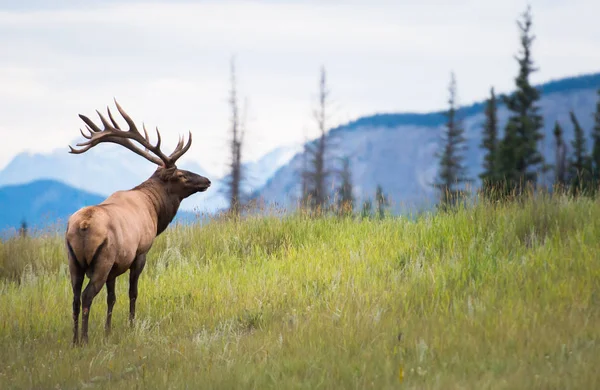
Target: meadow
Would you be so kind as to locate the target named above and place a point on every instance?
(487, 297)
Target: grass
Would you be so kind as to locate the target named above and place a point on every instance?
(489, 297)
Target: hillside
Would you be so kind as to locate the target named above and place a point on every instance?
(495, 297)
(397, 151)
(43, 203)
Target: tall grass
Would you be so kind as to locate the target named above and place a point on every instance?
(489, 296)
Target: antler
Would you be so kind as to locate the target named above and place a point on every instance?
(113, 133)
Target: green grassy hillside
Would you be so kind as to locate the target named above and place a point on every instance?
(503, 297)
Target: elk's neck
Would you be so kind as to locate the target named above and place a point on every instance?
(163, 203)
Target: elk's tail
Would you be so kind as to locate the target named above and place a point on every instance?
(87, 234)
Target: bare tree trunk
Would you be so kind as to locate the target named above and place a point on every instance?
(237, 138)
(315, 170)
(320, 172)
(304, 175)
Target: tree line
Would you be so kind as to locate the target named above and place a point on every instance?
(316, 171)
(513, 163)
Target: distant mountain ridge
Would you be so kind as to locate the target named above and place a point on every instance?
(397, 151)
(41, 203)
(109, 168)
(437, 118)
(46, 203)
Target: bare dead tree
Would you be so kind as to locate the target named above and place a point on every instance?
(304, 188)
(236, 145)
(317, 172)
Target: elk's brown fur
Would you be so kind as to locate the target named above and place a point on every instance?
(106, 240)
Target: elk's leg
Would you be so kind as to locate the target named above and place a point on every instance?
(111, 298)
(77, 275)
(97, 280)
(134, 274)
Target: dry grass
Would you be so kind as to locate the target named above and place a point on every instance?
(490, 297)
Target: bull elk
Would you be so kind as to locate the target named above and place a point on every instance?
(106, 240)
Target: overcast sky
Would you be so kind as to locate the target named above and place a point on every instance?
(168, 63)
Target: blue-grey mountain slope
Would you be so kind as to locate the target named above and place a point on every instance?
(41, 203)
(397, 151)
(101, 170)
(110, 168)
(49, 203)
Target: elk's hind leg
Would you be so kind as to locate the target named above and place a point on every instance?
(77, 275)
(101, 267)
(111, 298)
(134, 274)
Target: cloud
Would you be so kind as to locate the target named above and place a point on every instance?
(167, 63)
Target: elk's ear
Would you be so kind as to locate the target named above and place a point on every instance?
(167, 173)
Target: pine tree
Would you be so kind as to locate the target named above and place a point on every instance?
(346, 197)
(452, 172)
(23, 230)
(596, 147)
(366, 208)
(580, 166)
(520, 157)
(560, 165)
(490, 175)
(382, 202)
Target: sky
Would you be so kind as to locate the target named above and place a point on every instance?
(167, 63)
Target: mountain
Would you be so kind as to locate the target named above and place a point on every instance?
(258, 172)
(43, 203)
(255, 176)
(102, 170)
(397, 151)
(110, 168)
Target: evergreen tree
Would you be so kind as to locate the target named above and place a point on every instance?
(490, 175)
(520, 157)
(452, 173)
(596, 150)
(560, 165)
(366, 208)
(580, 166)
(23, 230)
(382, 202)
(346, 197)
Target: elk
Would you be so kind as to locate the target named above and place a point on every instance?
(106, 240)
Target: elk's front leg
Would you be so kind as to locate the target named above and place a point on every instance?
(134, 274)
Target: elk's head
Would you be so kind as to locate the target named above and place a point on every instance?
(176, 181)
(181, 182)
